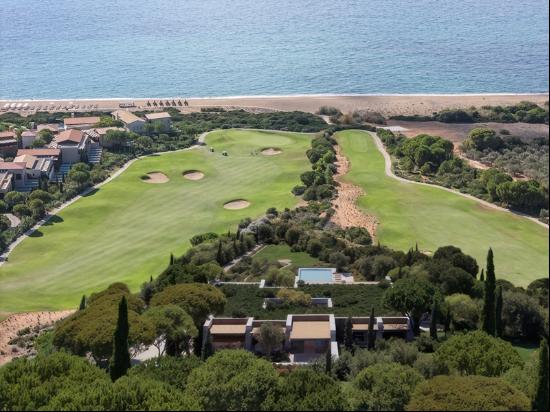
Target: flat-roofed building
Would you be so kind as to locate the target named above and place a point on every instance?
(162, 119)
(131, 122)
(81, 122)
(228, 333)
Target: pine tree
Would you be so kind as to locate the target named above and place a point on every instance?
(540, 403)
(371, 334)
(82, 305)
(348, 335)
(499, 326)
(489, 309)
(482, 276)
(120, 361)
(433, 321)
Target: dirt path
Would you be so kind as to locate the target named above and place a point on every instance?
(347, 213)
(18, 321)
(389, 172)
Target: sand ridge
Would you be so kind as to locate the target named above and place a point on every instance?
(236, 204)
(155, 177)
(18, 321)
(193, 175)
(271, 151)
(347, 213)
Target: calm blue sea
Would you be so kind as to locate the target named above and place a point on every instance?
(154, 48)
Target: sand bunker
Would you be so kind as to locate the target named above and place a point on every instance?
(271, 151)
(236, 204)
(155, 177)
(193, 175)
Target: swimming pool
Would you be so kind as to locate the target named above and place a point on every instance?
(316, 275)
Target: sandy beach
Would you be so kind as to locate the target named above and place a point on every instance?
(386, 104)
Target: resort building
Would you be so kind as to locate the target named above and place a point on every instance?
(306, 337)
(42, 153)
(162, 119)
(97, 134)
(131, 122)
(8, 144)
(27, 138)
(73, 144)
(17, 171)
(37, 167)
(52, 127)
(6, 183)
(80, 122)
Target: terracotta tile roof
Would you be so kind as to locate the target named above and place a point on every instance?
(306, 329)
(158, 116)
(7, 135)
(126, 116)
(71, 135)
(28, 133)
(39, 152)
(12, 166)
(77, 121)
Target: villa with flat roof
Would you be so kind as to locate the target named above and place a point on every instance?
(306, 337)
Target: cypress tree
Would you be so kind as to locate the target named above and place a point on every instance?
(120, 361)
(328, 362)
(482, 275)
(219, 255)
(499, 326)
(489, 309)
(371, 334)
(433, 321)
(540, 403)
(348, 335)
(171, 259)
(448, 319)
(82, 305)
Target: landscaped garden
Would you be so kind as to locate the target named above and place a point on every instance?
(126, 230)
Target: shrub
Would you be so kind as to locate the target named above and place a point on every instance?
(472, 393)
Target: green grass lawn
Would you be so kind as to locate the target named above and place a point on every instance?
(527, 351)
(126, 231)
(274, 253)
(432, 217)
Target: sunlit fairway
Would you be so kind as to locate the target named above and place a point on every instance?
(410, 214)
(126, 231)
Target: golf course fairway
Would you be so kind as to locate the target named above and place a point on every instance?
(410, 214)
(126, 230)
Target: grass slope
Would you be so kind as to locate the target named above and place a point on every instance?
(127, 229)
(432, 217)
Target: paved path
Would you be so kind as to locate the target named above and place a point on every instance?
(52, 213)
(389, 172)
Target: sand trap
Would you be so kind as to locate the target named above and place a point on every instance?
(193, 175)
(155, 177)
(271, 151)
(236, 204)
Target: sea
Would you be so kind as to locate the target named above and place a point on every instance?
(56, 49)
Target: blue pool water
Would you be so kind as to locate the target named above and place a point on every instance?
(315, 275)
(191, 48)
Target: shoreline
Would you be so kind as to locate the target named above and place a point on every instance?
(270, 96)
(386, 104)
